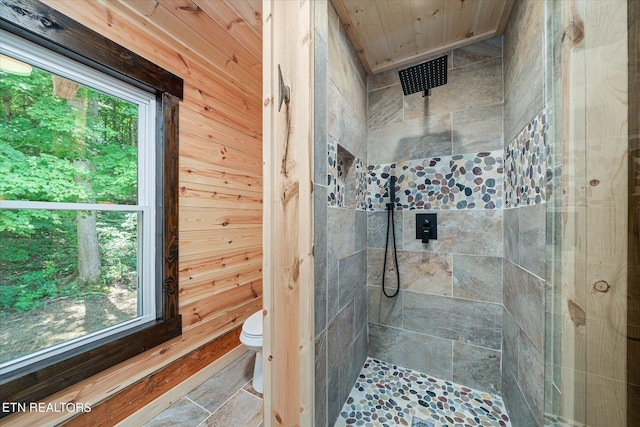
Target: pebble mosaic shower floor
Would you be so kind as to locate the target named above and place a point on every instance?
(386, 395)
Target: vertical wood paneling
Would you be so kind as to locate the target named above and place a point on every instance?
(288, 219)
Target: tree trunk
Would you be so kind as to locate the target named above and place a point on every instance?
(88, 247)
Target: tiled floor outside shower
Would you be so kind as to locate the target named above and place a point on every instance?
(387, 395)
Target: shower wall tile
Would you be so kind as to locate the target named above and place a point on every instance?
(477, 367)
(333, 290)
(320, 380)
(471, 322)
(517, 406)
(352, 276)
(361, 230)
(413, 139)
(524, 299)
(333, 110)
(377, 229)
(477, 278)
(532, 238)
(477, 52)
(360, 310)
(385, 106)
(424, 353)
(477, 130)
(340, 334)
(511, 235)
(320, 109)
(470, 232)
(425, 272)
(523, 66)
(357, 357)
(510, 341)
(383, 310)
(320, 258)
(341, 241)
(472, 86)
(531, 375)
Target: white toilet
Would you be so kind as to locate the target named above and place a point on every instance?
(251, 337)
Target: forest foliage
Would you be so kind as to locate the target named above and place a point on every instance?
(79, 150)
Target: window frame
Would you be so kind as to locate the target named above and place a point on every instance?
(42, 25)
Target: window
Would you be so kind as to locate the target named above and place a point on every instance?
(88, 203)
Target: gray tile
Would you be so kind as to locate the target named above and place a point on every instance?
(357, 357)
(382, 79)
(212, 393)
(426, 272)
(321, 380)
(321, 19)
(340, 236)
(320, 112)
(523, 66)
(360, 311)
(517, 407)
(477, 277)
(531, 376)
(320, 257)
(385, 106)
(532, 238)
(360, 230)
(472, 322)
(413, 139)
(472, 86)
(472, 232)
(377, 229)
(333, 111)
(511, 235)
(510, 342)
(340, 335)
(477, 52)
(352, 276)
(183, 412)
(477, 367)
(243, 409)
(424, 353)
(477, 130)
(353, 130)
(333, 291)
(384, 310)
(524, 299)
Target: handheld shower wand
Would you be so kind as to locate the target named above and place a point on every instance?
(391, 190)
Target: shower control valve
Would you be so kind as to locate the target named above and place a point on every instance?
(426, 227)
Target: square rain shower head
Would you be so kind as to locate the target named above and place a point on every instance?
(423, 77)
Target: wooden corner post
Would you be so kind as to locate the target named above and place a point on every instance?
(288, 39)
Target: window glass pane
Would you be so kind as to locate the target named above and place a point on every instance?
(64, 142)
(64, 274)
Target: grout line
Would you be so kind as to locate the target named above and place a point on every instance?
(197, 404)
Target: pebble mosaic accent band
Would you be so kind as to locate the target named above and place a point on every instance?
(462, 181)
(524, 162)
(387, 395)
(332, 172)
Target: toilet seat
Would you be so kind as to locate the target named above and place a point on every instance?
(252, 327)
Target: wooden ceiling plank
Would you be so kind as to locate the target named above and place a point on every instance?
(434, 52)
(249, 10)
(489, 14)
(236, 25)
(460, 19)
(428, 24)
(190, 42)
(353, 32)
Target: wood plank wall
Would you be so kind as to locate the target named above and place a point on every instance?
(216, 47)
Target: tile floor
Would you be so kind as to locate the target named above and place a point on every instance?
(226, 399)
(386, 395)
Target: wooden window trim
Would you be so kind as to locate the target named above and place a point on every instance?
(45, 26)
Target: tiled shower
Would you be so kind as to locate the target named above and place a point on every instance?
(471, 303)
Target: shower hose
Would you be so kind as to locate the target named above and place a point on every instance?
(390, 224)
